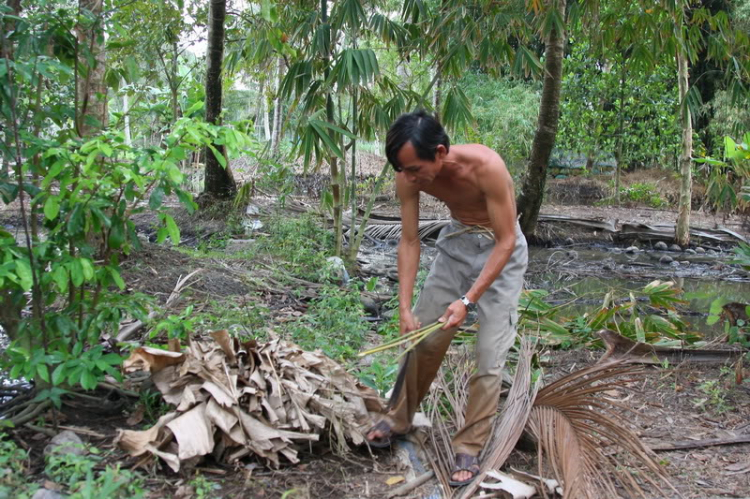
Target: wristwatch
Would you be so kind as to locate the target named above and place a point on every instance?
(470, 306)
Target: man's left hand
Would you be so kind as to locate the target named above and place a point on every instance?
(454, 315)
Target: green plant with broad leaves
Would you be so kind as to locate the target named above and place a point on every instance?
(728, 180)
(648, 316)
(78, 188)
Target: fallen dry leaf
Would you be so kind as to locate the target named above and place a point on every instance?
(151, 359)
(394, 480)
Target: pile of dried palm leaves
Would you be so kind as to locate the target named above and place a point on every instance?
(234, 399)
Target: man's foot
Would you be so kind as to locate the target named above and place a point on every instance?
(465, 470)
(381, 435)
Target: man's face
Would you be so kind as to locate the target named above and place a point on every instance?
(418, 171)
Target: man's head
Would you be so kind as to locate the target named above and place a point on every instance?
(416, 142)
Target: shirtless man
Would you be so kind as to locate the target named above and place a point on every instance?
(480, 265)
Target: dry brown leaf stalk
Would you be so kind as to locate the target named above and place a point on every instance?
(576, 429)
(234, 399)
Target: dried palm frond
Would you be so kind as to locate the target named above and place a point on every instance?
(446, 411)
(510, 427)
(573, 426)
(388, 229)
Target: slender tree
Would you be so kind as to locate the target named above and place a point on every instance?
(532, 195)
(219, 181)
(91, 91)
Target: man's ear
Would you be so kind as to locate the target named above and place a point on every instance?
(441, 151)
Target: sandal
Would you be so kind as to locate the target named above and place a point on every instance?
(387, 439)
(464, 462)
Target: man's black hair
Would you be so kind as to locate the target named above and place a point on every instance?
(424, 132)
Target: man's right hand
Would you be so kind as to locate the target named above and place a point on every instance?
(408, 322)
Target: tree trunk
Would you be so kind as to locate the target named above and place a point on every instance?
(174, 85)
(219, 181)
(437, 95)
(6, 52)
(620, 134)
(532, 195)
(266, 121)
(276, 134)
(91, 91)
(258, 122)
(682, 231)
(336, 187)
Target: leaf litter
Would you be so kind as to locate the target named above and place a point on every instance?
(234, 399)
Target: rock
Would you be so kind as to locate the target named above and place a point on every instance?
(65, 442)
(631, 249)
(46, 494)
(666, 259)
(684, 262)
(661, 246)
(616, 251)
(608, 266)
(569, 241)
(690, 251)
(711, 253)
(252, 210)
(371, 306)
(335, 265)
(675, 247)
(674, 264)
(700, 251)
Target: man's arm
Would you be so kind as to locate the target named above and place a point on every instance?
(498, 190)
(408, 252)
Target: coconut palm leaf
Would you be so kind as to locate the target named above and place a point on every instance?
(573, 425)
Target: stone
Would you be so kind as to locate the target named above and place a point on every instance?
(666, 259)
(675, 247)
(569, 241)
(631, 249)
(46, 494)
(684, 262)
(700, 251)
(609, 266)
(616, 251)
(661, 246)
(65, 442)
(690, 251)
(371, 305)
(674, 264)
(711, 253)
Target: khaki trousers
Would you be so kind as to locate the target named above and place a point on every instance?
(463, 252)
